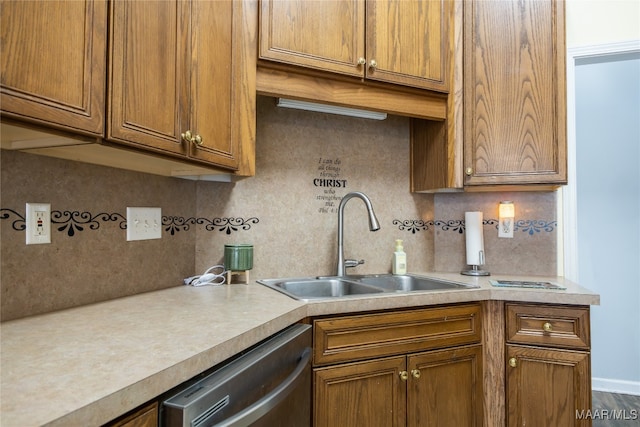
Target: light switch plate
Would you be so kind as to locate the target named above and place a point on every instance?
(144, 223)
(38, 221)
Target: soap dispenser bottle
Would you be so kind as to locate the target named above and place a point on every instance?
(399, 264)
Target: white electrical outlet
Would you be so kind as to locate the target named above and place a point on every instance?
(144, 223)
(38, 223)
(505, 227)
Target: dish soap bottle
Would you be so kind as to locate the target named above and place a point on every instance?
(399, 264)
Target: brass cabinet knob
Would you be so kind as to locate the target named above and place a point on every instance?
(361, 61)
(415, 373)
(186, 136)
(373, 64)
(404, 375)
(468, 171)
(513, 362)
(547, 327)
(189, 137)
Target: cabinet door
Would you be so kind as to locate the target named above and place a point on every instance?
(144, 417)
(54, 63)
(547, 387)
(215, 75)
(366, 394)
(445, 388)
(148, 70)
(514, 92)
(408, 42)
(325, 35)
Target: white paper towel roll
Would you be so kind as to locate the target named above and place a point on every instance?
(474, 237)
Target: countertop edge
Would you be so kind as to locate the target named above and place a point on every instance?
(130, 396)
(153, 386)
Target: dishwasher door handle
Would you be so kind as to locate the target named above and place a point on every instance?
(266, 403)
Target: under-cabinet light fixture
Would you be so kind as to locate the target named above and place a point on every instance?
(331, 109)
(506, 213)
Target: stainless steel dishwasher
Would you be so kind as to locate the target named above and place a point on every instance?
(270, 385)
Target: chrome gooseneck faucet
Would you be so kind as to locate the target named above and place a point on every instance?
(373, 226)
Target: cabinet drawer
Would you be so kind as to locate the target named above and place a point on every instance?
(548, 325)
(383, 334)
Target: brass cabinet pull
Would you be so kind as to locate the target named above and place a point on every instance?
(547, 327)
(189, 137)
(373, 64)
(361, 61)
(186, 136)
(404, 375)
(513, 362)
(415, 373)
(468, 171)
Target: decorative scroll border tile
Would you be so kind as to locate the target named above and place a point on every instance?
(18, 223)
(175, 224)
(529, 226)
(71, 222)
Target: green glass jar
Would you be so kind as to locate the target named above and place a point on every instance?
(238, 257)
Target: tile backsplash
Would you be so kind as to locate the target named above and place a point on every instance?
(89, 259)
(305, 163)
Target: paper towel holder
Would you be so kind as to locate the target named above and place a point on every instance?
(474, 244)
(475, 270)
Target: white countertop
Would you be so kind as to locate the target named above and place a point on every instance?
(87, 365)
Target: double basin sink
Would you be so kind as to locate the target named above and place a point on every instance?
(313, 288)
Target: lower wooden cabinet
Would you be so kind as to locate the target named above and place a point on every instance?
(433, 388)
(147, 416)
(413, 368)
(548, 366)
(547, 387)
(367, 393)
(427, 366)
(445, 388)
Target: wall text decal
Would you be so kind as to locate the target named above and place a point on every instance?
(327, 180)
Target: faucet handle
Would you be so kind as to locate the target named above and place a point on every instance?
(348, 263)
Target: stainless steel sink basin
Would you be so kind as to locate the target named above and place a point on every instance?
(407, 283)
(313, 288)
(310, 288)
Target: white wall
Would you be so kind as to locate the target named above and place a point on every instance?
(593, 22)
(607, 259)
(608, 213)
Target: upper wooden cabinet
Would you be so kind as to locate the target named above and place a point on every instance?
(408, 42)
(399, 42)
(182, 80)
(514, 92)
(506, 117)
(54, 63)
(148, 66)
